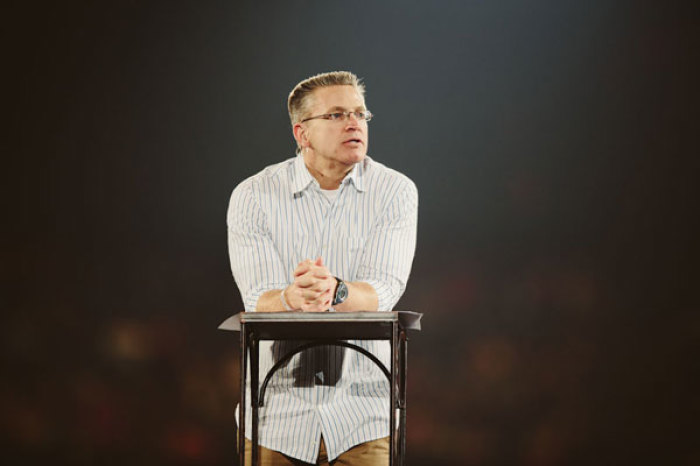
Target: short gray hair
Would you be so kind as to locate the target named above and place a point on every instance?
(298, 100)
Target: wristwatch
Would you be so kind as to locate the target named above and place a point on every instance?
(341, 292)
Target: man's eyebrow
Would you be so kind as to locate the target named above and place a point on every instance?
(338, 108)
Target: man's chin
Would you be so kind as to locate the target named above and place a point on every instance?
(355, 157)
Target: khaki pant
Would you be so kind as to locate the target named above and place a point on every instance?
(374, 453)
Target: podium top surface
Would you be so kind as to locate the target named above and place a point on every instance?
(408, 320)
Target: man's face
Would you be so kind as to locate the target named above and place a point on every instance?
(343, 142)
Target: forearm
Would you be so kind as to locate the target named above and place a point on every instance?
(361, 297)
(270, 301)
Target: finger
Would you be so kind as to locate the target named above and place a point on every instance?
(323, 284)
(319, 271)
(319, 287)
(320, 306)
(294, 298)
(306, 281)
(316, 279)
(321, 298)
(303, 267)
(321, 274)
(310, 296)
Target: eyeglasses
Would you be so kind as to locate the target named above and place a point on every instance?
(365, 115)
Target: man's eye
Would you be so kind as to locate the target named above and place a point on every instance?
(337, 116)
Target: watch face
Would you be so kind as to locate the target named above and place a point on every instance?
(341, 293)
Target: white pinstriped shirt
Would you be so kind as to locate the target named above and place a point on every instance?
(280, 217)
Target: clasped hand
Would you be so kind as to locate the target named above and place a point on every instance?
(313, 287)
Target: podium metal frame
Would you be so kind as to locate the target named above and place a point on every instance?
(324, 329)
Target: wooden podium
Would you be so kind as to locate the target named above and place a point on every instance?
(322, 329)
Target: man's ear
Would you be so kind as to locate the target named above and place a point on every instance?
(300, 135)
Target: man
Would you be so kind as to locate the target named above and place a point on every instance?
(327, 230)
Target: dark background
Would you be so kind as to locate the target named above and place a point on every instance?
(554, 145)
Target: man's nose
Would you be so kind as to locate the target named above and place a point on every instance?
(353, 121)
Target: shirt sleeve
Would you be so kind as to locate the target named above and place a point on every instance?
(388, 255)
(255, 261)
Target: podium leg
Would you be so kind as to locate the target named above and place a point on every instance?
(393, 437)
(241, 408)
(254, 393)
(403, 353)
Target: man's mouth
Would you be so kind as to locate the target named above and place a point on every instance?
(353, 141)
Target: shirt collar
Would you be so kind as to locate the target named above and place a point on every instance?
(302, 177)
(356, 176)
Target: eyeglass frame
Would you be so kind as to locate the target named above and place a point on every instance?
(346, 115)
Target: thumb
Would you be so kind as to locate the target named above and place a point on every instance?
(319, 261)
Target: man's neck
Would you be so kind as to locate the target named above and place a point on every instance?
(328, 175)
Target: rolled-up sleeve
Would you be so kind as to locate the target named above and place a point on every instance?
(388, 255)
(255, 261)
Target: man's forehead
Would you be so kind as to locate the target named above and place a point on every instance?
(337, 96)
